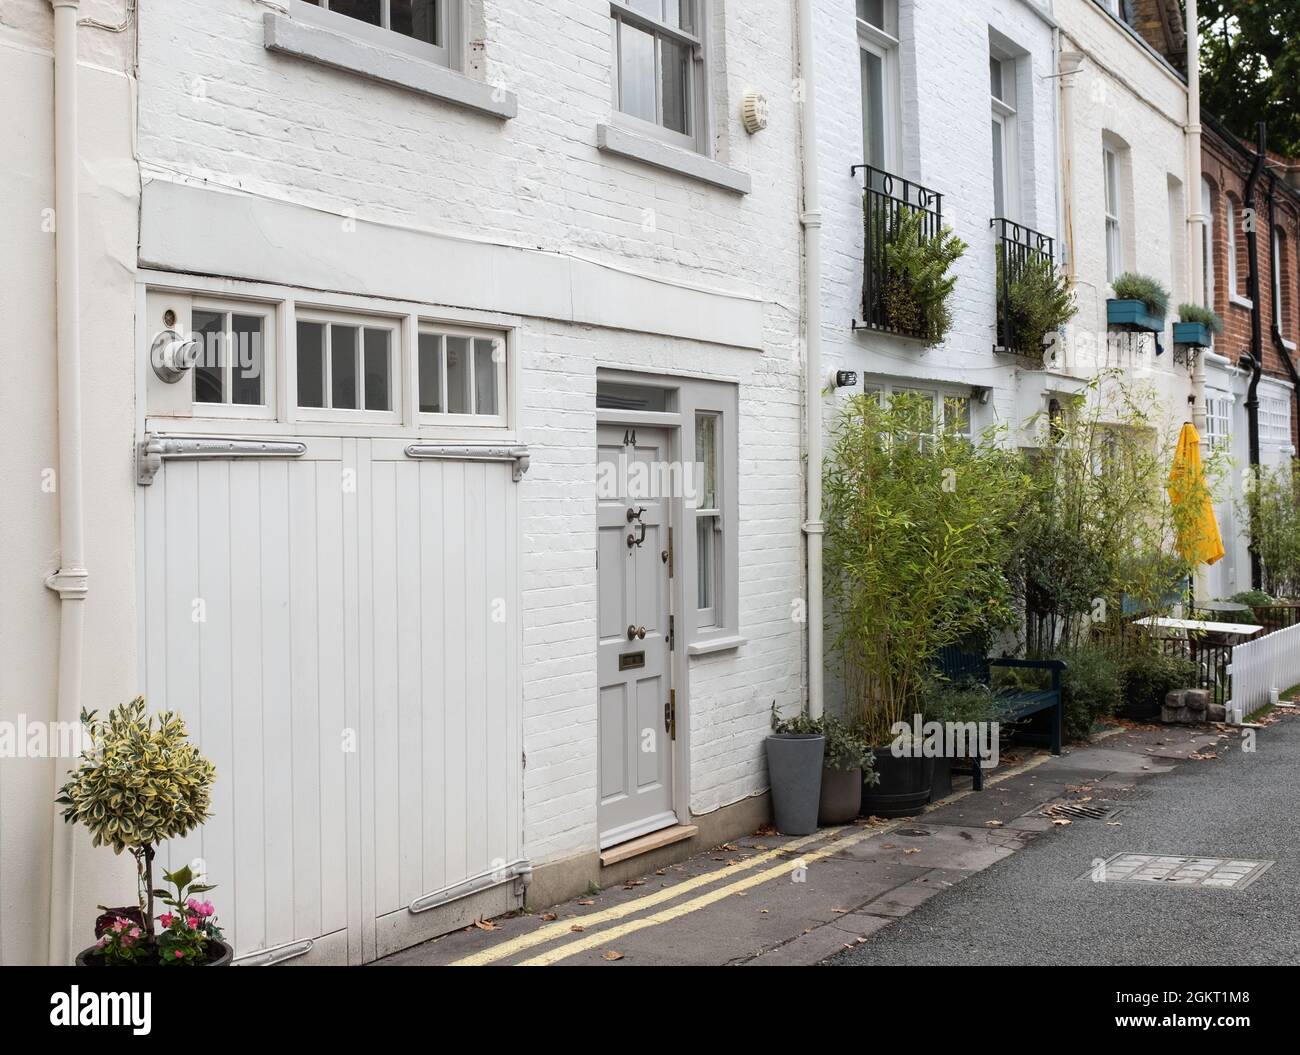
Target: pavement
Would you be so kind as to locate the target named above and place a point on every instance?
(981, 877)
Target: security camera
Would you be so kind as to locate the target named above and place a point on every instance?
(172, 355)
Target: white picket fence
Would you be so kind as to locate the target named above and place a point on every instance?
(1262, 667)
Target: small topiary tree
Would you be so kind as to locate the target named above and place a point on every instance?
(917, 283)
(1039, 301)
(142, 782)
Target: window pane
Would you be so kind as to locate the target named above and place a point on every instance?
(247, 364)
(378, 366)
(680, 13)
(653, 8)
(430, 373)
(706, 457)
(999, 177)
(311, 364)
(210, 329)
(873, 12)
(636, 72)
(873, 109)
(995, 77)
(363, 10)
(706, 561)
(458, 375)
(415, 18)
(343, 367)
(956, 414)
(485, 377)
(676, 68)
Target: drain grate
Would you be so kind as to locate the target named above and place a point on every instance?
(1081, 810)
(1221, 873)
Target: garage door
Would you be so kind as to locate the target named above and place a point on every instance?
(335, 617)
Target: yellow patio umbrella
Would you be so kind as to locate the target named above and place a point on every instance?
(1199, 540)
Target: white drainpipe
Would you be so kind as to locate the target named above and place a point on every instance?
(69, 582)
(812, 291)
(1195, 218)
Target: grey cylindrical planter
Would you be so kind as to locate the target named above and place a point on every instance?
(841, 796)
(794, 768)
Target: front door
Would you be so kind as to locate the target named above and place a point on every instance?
(635, 674)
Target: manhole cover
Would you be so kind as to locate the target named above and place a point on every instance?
(1081, 810)
(1222, 873)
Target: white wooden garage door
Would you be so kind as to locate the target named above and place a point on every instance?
(339, 630)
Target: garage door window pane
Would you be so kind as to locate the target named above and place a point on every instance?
(458, 401)
(378, 370)
(311, 364)
(430, 372)
(343, 367)
(485, 377)
(247, 362)
(210, 328)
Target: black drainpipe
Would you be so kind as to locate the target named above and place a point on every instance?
(1256, 336)
(1277, 321)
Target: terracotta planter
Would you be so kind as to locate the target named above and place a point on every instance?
(841, 797)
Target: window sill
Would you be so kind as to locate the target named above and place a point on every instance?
(614, 140)
(715, 644)
(294, 37)
(1290, 346)
(1241, 302)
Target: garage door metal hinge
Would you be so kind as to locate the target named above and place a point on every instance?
(670, 715)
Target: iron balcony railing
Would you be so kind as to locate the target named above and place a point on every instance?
(886, 200)
(1018, 247)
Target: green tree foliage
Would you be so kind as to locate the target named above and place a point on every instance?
(918, 284)
(1272, 508)
(1250, 54)
(1040, 302)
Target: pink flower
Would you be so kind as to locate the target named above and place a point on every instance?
(206, 909)
(103, 940)
(135, 932)
(166, 919)
(193, 921)
(118, 926)
(192, 904)
(178, 954)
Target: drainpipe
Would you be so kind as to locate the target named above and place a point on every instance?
(811, 218)
(1070, 62)
(69, 582)
(1256, 336)
(1278, 346)
(1195, 217)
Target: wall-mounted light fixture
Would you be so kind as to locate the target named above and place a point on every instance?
(845, 379)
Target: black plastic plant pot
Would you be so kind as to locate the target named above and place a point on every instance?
(841, 797)
(219, 955)
(794, 768)
(904, 788)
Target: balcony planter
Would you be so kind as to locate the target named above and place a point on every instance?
(794, 769)
(1135, 315)
(1195, 333)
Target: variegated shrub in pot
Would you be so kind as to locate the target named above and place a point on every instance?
(140, 783)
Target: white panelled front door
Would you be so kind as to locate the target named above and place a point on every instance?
(633, 651)
(338, 630)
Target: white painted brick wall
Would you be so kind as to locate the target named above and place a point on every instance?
(214, 103)
(947, 147)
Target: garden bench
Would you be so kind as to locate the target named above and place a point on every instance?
(1011, 704)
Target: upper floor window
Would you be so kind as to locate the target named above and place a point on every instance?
(1279, 294)
(1114, 231)
(426, 28)
(1234, 246)
(1207, 239)
(660, 68)
(877, 24)
(1002, 90)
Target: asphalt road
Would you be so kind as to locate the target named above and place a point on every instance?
(1032, 908)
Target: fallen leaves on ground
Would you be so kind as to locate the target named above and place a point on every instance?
(1203, 756)
(993, 824)
(577, 928)
(767, 830)
(586, 901)
(485, 924)
(549, 917)
(1061, 822)
(912, 850)
(611, 955)
(632, 884)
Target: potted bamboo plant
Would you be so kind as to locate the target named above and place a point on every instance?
(142, 782)
(920, 523)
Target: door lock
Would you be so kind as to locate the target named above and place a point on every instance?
(635, 631)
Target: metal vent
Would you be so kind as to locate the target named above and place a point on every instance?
(1081, 811)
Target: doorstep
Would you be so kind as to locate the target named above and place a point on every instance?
(645, 843)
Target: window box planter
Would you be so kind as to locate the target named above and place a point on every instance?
(1194, 333)
(1134, 315)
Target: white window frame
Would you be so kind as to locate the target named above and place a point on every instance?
(1218, 422)
(1004, 116)
(451, 14)
(396, 361)
(501, 362)
(1112, 178)
(1234, 296)
(268, 312)
(698, 137)
(1277, 280)
(1275, 421)
(883, 43)
(1207, 240)
(706, 616)
(716, 628)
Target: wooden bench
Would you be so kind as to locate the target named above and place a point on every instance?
(1011, 704)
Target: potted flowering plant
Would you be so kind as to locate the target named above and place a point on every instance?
(140, 783)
